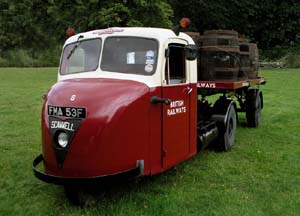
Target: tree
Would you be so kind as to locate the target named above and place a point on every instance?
(41, 24)
(269, 22)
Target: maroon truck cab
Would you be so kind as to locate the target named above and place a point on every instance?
(125, 103)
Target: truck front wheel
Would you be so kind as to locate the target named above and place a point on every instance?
(81, 195)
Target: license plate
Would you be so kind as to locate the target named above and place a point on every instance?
(70, 112)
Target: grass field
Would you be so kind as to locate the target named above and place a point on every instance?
(260, 176)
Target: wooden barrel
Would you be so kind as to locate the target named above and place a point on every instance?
(219, 63)
(219, 55)
(254, 61)
(220, 37)
(248, 60)
(222, 32)
(244, 59)
(196, 37)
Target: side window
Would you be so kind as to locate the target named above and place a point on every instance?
(175, 71)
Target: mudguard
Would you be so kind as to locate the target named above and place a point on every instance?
(59, 180)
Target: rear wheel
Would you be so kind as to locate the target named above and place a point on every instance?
(227, 138)
(253, 107)
(226, 117)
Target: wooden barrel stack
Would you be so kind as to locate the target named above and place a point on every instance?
(219, 55)
(225, 56)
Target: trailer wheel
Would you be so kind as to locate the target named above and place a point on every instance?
(254, 106)
(227, 139)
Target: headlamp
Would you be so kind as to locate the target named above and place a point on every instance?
(63, 139)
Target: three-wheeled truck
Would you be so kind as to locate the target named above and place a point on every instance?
(134, 102)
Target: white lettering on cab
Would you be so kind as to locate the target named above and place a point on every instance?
(62, 125)
(206, 85)
(176, 107)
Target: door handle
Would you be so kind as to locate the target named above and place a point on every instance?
(156, 100)
(189, 90)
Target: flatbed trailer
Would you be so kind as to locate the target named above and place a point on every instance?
(244, 95)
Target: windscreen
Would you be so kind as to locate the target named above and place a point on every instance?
(132, 55)
(81, 56)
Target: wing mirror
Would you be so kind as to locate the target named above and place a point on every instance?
(191, 52)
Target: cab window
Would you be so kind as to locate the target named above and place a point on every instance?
(81, 56)
(133, 55)
(175, 71)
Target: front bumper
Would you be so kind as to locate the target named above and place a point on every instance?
(60, 180)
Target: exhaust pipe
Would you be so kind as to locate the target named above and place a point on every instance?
(208, 134)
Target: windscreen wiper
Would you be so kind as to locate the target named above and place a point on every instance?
(75, 47)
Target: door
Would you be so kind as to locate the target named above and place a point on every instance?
(176, 116)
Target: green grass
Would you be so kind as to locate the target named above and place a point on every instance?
(260, 176)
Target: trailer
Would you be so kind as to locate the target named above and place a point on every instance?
(131, 102)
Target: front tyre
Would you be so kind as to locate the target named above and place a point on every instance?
(72, 193)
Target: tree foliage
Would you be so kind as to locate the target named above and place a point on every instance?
(39, 24)
(269, 22)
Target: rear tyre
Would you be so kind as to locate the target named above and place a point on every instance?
(253, 107)
(226, 117)
(228, 136)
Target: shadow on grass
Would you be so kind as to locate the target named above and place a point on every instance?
(107, 193)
